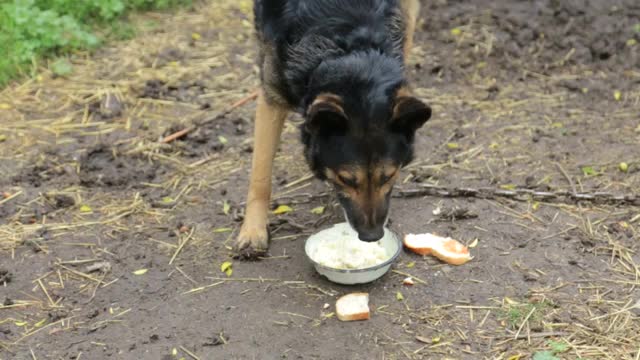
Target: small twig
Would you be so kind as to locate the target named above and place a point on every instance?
(176, 135)
(411, 276)
(189, 353)
(182, 244)
(244, 279)
(566, 176)
(186, 276)
(202, 288)
(10, 197)
(534, 335)
(524, 322)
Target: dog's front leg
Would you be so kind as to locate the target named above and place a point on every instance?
(254, 236)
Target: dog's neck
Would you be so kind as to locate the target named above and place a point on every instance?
(318, 63)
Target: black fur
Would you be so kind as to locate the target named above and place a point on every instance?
(349, 48)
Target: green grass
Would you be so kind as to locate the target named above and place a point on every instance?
(515, 315)
(32, 30)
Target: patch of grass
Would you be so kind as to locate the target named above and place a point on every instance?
(515, 314)
(121, 30)
(31, 30)
(555, 349)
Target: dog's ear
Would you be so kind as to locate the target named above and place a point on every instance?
(325, 116)
(409, 114)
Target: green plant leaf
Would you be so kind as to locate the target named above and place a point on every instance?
(545, 355)
(588, 171)
(62, 67)
(558, 347)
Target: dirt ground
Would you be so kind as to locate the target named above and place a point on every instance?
(111, 242)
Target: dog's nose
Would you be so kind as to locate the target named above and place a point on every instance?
(371, 235)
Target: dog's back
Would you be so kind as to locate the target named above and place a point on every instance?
(295, 36)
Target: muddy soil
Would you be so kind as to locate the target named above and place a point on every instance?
(111, 242)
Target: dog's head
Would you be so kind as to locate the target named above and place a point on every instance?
(360, 151)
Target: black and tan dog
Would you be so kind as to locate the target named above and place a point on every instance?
(341, 64)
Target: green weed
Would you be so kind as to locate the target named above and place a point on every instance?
(515, 314)
(35, 29)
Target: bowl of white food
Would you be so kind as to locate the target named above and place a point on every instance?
(339, 255)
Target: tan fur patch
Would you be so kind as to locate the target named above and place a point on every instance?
(366, 187)
(410, 11)
(328, 99)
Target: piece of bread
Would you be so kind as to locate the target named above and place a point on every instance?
(445, 249)
(353, 307)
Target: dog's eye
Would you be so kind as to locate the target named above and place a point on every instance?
(348, 181)
(386, 178)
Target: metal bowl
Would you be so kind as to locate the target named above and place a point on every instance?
(389, 241)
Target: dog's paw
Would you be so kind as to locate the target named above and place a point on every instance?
(252, 242)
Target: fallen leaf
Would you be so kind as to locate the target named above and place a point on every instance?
(85, 209)
(20, 323)
(3, 137)
(329, 315)
(617, 95)
(453, 146)
(167, 199)
(510, 302)
(61, 67)
(223, 140)
(226, 207)
(226, 268)
(423, 339)
(508, 187)
(195, 36)
(40, 323)
(411, 264)
(456, 32)
(225, 265)
(140, 272)
(623, 166)
(515, 357)
(282, 209)
(399, 296)
(535, 206)
(318, 210)
(588, 171)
